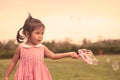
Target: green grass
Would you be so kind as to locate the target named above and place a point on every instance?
(72, 69)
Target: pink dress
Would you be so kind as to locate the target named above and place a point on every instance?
(31, 64)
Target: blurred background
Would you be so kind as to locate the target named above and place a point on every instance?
(72, 19)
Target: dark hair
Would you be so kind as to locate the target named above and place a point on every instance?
(29, 25)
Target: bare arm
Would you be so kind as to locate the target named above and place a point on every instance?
(12, 64)
(52, 55)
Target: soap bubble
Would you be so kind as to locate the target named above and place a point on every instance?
(115, 65)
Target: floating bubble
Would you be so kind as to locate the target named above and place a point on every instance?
(115, 65)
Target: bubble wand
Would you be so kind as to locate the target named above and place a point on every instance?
(88, 56)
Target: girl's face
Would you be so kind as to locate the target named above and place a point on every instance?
(36, 36)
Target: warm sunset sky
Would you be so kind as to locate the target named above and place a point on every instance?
(74, 19)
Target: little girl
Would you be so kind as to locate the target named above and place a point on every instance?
(31, 53)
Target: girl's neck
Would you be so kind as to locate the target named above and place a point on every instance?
(31, 44)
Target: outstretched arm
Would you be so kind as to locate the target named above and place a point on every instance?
(52, 55)
(12, 64)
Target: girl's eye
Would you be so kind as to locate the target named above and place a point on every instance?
(43, 33)
(37, 32)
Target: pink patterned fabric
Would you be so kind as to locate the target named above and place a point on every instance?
(31, 64)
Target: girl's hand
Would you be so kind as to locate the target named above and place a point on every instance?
(73, 55)
(5, 78)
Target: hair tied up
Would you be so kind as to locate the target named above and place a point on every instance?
(30, 17)
(19, 37)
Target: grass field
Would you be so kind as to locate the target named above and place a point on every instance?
(72, 69)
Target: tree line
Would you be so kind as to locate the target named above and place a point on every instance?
(100, 47)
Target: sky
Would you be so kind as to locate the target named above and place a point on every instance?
(64, 19)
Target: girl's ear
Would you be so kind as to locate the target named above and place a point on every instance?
(27, 34)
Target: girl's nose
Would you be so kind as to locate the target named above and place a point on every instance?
(40, 35)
